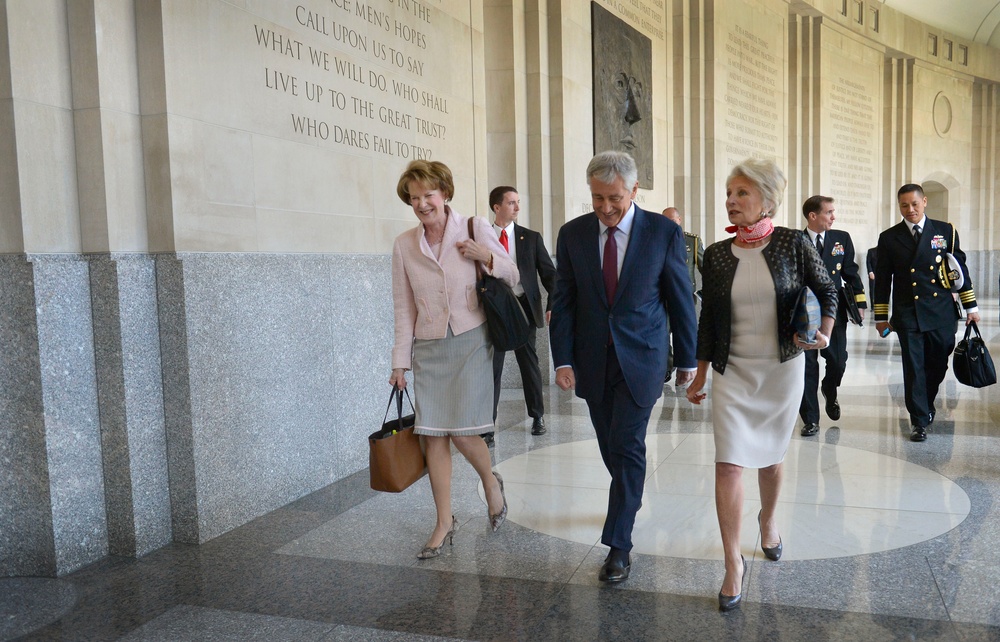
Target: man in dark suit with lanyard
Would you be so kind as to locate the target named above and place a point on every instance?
(621, 274)
(837, 251)
(527, 250)
(910, 255)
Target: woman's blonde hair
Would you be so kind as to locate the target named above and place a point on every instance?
(433, 174)
(767, 177)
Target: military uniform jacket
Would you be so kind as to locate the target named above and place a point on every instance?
(695, 258)
(910, 272)
(838, 257)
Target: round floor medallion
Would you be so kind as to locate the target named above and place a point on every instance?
(836, 501)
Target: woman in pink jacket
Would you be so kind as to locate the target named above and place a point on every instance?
(441, 335)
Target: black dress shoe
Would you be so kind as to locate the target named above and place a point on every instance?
(931, 416)
(616, 567)
(730, 602)
(810, 429)
(832, 405)
(670, 374)
(488, 438)
(918, 433)
(538, 426)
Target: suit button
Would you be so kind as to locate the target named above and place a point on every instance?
(912, 270)
(914, 284)
(915, 298)
(935, 294)
(933, 281)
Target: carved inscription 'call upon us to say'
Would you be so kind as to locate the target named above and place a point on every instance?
(357, 75)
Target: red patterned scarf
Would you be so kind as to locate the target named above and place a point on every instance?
(756, 232)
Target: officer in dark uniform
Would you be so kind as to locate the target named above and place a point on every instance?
(910, 256)
(836, 249)
(694, 258)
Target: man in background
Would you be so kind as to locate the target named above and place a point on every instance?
(910, 255)
(836, 249)
(527, 250)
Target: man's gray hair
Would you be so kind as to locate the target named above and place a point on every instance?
(610, 165)
(767, 177)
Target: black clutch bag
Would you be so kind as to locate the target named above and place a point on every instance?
(806, 315)
(849, 301)
(972, 362)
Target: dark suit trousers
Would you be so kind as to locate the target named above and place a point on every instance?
(531, 375)
(835, 356)
(621, 434)
(925, 362)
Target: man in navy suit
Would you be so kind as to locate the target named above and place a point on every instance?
(533, 262)
(621, 274)
(837, 251)
(910, 256)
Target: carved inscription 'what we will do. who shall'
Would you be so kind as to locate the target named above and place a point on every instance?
(340, 100)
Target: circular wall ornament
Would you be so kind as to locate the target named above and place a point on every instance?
(942, 114)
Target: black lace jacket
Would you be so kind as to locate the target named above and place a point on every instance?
(793, 263)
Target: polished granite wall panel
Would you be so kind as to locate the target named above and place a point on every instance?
(284, 362)
(26, 543)
(130, 394)
(361, 327)
(176, 398)
(69, 397)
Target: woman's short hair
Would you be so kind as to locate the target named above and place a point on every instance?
(432, 174)
(767, 177)
(610, 165)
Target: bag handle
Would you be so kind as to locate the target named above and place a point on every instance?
(970, 328)
(472, 237)
(397, 395)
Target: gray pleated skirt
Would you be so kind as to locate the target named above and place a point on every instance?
(453, 384)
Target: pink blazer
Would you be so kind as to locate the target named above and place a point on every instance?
(428, 293)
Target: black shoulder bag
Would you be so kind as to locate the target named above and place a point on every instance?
(972, 362)
(505, 318)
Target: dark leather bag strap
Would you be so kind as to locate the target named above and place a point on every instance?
(472, 236)
(397, 395)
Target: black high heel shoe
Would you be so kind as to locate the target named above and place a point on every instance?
(497, 520)
(430, 552)
(774, 553)
(730, 602)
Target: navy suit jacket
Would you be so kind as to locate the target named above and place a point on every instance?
(653, 284)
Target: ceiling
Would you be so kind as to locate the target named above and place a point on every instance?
(975, 20)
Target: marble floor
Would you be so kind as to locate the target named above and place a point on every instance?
(884, 540)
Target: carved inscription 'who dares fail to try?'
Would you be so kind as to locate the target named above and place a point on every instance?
(348, 103)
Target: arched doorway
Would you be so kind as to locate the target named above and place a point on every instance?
(937, 200)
